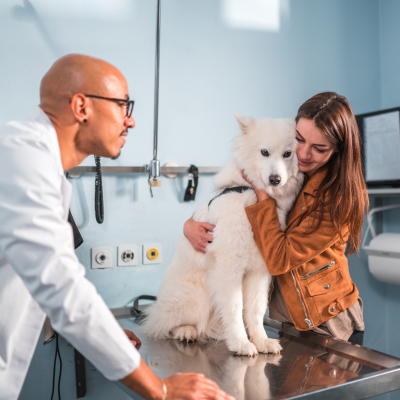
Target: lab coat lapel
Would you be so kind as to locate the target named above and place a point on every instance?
(66, 190)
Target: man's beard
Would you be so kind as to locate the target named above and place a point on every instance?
(114, 158)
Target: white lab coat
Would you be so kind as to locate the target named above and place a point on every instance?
(39, 271)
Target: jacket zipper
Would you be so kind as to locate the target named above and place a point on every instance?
(307, 320)
(323, 268)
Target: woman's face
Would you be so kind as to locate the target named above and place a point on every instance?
(313, 149)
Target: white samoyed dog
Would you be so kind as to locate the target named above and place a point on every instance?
(223, 294)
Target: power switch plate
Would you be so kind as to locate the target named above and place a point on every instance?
(152, 253)
(127, 256)
(102, 257)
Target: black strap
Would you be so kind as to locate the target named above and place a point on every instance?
(98, 196)
(142, 297)
(78, 239)
(237, 189)
(54, 370)
(190, 193)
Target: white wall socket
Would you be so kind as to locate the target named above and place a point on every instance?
(127, 255)
(152, 253)
(102, 257)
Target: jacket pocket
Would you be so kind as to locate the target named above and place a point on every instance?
(318, 270)
(326, 284)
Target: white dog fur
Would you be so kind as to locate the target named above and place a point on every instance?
(223, 293)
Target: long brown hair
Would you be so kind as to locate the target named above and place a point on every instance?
(344, 183)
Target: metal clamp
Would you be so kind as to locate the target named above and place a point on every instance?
(370, 225)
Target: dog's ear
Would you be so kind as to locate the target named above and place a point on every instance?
(244, 122)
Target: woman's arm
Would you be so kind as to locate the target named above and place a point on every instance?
(283, 251)
(197, 234)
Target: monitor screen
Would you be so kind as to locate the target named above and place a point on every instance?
(380, 133)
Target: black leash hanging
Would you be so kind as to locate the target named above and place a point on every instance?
(237, 189)
(78, 239)
(190, 193)
(54, 370)
(98, 197)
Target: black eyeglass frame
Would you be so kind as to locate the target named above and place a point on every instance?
(130, 103)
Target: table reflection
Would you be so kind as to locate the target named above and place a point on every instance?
(242, 377)
(299, 369)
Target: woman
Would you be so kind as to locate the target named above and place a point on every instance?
(314, 289)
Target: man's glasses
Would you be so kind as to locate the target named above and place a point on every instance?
(129, 103)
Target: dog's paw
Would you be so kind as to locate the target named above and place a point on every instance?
(190, 349)
(266, 345)
(184, 333)
(243, 348)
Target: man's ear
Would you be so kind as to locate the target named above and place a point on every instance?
(80, 107)
(244, 122)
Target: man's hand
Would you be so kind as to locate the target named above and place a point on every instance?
(261, 195)
(197, 234)
(133, 338)
(179, 387)
(193, 386)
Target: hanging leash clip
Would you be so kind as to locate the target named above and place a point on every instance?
(153, 171)
(190, 193)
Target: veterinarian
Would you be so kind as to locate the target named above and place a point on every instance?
(84, 109)
(313, 289)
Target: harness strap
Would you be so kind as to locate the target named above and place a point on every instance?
(237, 189)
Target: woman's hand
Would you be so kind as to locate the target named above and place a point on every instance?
(261, 195)
(197, 234)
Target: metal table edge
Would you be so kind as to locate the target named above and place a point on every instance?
(346, 349)
(364, 387)
(384, 380)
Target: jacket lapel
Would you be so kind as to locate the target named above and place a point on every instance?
(300, 205)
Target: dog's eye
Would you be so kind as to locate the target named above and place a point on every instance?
(265, 153)
(287, 154)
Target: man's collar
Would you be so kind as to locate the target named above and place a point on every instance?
(315, 181)
(43, 124)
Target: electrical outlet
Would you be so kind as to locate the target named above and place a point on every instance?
(152, 253)
(102, 257)
(127, 255)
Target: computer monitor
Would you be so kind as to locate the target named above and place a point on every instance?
(380, 133)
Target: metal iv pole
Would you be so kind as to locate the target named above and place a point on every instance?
(153, 169)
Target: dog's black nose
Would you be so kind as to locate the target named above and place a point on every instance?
(274, 180)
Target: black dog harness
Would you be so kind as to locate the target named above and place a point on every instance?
(237, 189)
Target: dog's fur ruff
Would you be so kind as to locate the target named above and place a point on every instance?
(223, 293)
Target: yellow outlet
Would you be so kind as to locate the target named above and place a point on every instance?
(152, 254)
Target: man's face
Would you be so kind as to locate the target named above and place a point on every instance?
(108, 122)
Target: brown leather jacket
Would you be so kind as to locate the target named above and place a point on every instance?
(312, 268)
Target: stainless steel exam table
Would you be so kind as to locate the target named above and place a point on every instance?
(310, 366)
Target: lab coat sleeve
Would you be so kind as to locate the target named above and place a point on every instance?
(38, 243)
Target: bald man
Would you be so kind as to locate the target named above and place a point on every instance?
(84, 109)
